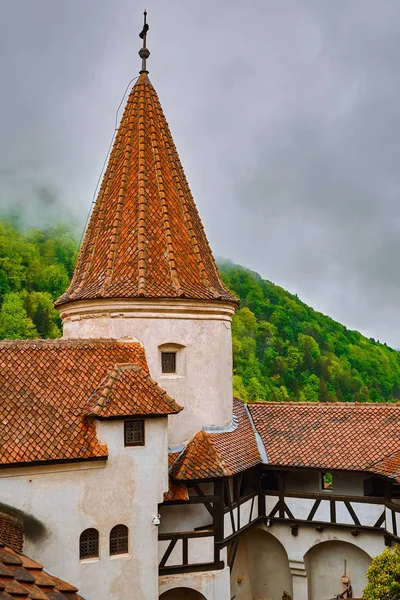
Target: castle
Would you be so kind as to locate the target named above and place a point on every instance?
(126, 466)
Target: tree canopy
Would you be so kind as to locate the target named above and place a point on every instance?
(35, 268)
(285, 350)
(384, 576)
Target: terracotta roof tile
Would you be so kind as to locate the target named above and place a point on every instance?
(145, 237)
(176, 489)
(44, 390)
(219, 454)
(128, 390)
(361, 437)
(20, 577)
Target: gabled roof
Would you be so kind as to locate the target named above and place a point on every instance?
(210, 455)
(46, 387)
(342, 435)
(128, 391)
(21, 577)
(145, 237)
(177, 490)
(329, 436)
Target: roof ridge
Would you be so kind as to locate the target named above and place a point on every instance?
(221, 461)
(105, 386)
(187, 454)
(164, 208)
(89, 242)
(305, 403)
(142, 202)
(171, 149)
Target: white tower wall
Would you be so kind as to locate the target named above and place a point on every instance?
(199, 333)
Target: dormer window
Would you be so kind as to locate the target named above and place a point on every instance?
(134, 432)
(168, 362)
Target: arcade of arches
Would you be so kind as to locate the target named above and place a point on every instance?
(182, 594)
(328, 562)
(261, 569)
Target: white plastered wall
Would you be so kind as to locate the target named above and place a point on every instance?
(70, 498)
(326, 564)
(203, 382)
(297, 547)
(261, 569)
(213, 585)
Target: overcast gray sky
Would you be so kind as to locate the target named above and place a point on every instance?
(286, 114)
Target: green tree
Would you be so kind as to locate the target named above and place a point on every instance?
(384, 576)
(14, 321)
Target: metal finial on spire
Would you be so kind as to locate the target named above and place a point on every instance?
(144, 52)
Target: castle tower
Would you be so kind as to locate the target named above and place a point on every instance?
(146, 271)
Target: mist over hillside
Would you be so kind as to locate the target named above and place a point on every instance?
(282, 348)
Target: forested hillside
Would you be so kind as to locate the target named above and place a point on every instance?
(35, 268)
(283, 349)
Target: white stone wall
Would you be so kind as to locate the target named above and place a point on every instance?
(261, 569)
(213, 585)
(326, 563)
(299, 548)
(203, 383)
(70, 498)
(344, 482)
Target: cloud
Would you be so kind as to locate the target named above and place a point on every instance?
(285, 115)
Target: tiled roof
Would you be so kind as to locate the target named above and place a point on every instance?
(219, 454)
(336, 436)
(145, 237)
(45, 386)
(128, 390)
(357, 437)
(21, 577)
(176, 489)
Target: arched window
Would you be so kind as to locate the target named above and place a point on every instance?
(119, 540)
(89, 544)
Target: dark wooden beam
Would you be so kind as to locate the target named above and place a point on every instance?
(201, 494)
(185, 535)
(195, 568)
(168, 552)
(352, 513)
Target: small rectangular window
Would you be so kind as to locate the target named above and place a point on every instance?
(168, 362)
(134, 433)
(326, 481)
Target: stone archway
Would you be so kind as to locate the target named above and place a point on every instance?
(261, 568)
(182, 593)
(326, 563)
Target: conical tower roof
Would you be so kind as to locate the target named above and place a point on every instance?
(145, 238)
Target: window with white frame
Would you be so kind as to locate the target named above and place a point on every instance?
(172, 359)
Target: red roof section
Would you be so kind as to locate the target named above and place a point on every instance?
(176, 489)
(45, 387)
(21, 577)
(211, 455)
(145, 237)
(128, 391)
(356, 437)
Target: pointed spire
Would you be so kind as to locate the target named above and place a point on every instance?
(144, 52)
(145, 238)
